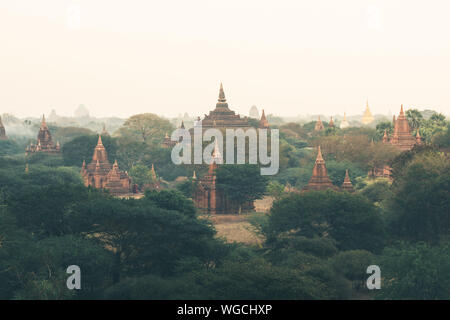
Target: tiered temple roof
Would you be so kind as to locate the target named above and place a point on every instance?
(402, 138)
(2, 131)
(101, 174)
(222, 116)
(44, 141)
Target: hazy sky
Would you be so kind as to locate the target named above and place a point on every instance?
(289, 57)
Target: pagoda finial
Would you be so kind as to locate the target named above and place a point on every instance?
(385, 136)
(99, 142)
(194, 177)
(319, 155)
(347, 177)
(153, 172)
(43, 123)
(221, 94)
(418, 138)
(182, 124)
(401, 110)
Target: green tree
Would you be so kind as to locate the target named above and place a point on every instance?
(350, 219)
(141, 175)
(147, 126)
(241, 183)
(414, 118)
(415, 272)
(420, 205)
(275, 189)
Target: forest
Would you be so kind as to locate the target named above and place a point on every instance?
(317, 245)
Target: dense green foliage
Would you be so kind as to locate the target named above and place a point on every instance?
(316, 245)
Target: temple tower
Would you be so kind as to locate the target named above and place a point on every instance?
(319, 179)
(319, 125)
(402, 137)
(344, 123)
(44, 141)
(331, 123)
(222, 116)
(263, 123)
(367, 117)
(101, 174)
(347, 185)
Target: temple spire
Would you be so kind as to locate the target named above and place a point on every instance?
(319, 125)
(99, 142)
(221, 94)
(331, 123)
(263, 123)
(385, 136)
(43, 120)
(153, 172)
(319, 179)
(222, 101)
(194, 177)
(418, 138)
(347, 185)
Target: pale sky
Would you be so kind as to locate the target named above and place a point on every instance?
(290, 57)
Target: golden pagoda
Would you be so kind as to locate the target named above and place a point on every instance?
(367, 117)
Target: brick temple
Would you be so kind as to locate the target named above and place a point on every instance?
(222, 117)
(44, 141)
(402, 137)
(320, 181)
(101, 174)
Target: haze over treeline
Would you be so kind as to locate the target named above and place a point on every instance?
(287, 57)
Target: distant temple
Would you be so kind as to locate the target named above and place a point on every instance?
(254, 113)
(101, 174)
(223, 117)
(167, 142)
(347, 185)
(402, 138)
(208, 198)
(320, 181)
(331, 123)
(319, 125)
(344, 123)
(367, 117)
(263, 123)
(2, 131)
(104, 131)
(44, 141)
